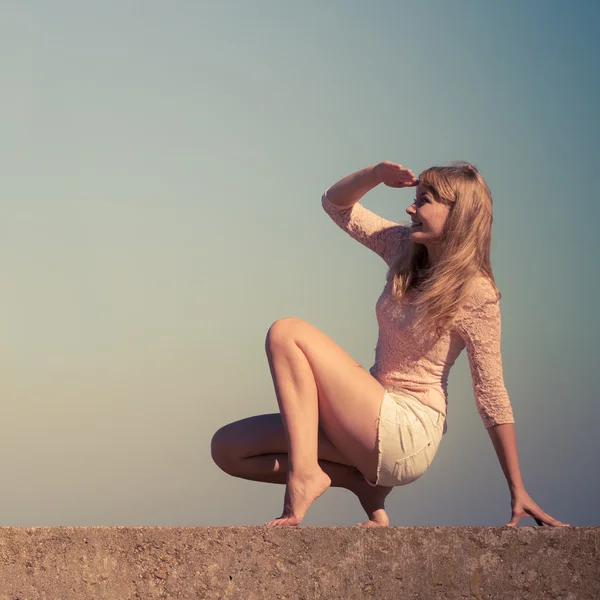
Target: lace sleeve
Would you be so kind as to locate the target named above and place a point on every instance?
(385, 238)
(479, 325)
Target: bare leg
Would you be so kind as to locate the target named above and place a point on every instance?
(255, 448)
(273, 468)
(317, 383)
(319, 387)
(297, 397)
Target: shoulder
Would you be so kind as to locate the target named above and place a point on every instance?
(482, 291)
(481, 302)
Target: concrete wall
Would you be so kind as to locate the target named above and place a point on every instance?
(252, 563)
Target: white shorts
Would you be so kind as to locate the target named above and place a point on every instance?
(408, 436)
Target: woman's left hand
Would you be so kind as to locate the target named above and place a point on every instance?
(524, 506)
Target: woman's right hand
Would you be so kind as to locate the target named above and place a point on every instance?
(394, 175)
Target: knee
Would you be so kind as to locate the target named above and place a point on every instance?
(220, 449)
(282, 331)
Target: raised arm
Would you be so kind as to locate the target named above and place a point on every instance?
(350, 189)
(340, 201)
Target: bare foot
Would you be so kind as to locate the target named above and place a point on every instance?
(378, 519)
(372, 499)
(300, 493)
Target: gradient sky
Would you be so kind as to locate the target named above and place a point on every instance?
(162, 171)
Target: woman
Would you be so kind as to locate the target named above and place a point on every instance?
(370, 431)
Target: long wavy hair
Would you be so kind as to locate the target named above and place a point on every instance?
(464, 247)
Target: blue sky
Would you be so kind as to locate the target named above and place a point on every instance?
(162, 169)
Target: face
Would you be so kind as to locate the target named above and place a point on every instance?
(431, 216)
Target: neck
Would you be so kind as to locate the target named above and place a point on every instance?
(433, 255)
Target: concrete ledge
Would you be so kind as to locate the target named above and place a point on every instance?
(259, 563)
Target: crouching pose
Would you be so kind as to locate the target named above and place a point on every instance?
(371, 431)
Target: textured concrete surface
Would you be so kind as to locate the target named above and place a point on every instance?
(123, 563)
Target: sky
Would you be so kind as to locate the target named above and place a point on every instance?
(162, 166)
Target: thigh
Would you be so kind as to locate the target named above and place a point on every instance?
(349, 396)
(264, 434)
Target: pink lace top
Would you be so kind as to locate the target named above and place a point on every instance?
(420, 361)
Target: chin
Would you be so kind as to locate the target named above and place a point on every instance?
(416, 239)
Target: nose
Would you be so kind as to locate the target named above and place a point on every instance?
(410, 210)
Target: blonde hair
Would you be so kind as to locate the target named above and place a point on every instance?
(464, 246)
